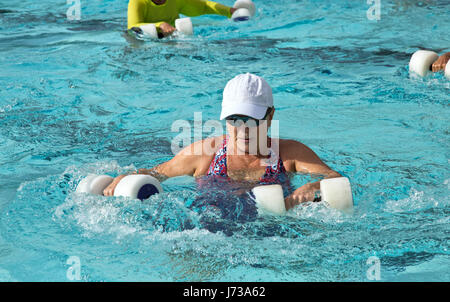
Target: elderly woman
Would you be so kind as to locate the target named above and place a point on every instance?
(247, 153)
(164, 12)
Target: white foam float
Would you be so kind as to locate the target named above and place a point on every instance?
(270, 198)
(245, 9)
(138, 186)
(247, 4)
(421, 62)
(184, 26)
(149, 30)
(337, 192)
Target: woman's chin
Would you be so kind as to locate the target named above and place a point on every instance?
(244, 145)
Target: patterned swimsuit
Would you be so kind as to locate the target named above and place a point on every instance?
(222, 199)
(274, 174)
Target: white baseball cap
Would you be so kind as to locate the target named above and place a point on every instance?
(246, 94)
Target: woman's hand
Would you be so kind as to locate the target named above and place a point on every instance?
(232, 10)
(109, 190)
(303, 194)
(440, 63)
(166, 29)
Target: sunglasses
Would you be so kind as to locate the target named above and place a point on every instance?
(245, 119)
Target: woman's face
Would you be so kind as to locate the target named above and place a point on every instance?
(159, 2)
(246, 136)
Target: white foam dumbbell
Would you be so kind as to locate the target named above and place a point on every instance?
(134, 186)
(183, 25)
(421, 62)
(336, 192)
(245, 9)
(270, 198)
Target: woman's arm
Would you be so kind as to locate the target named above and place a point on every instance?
(192, 160)
(304, 160)
(192, 8)
(184, 163)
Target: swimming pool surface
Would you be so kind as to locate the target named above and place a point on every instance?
(77, 97)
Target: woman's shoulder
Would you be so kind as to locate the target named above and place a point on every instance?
(197, 156)
(209, 147)
(205, 147)
(212, 144)
(291, 151)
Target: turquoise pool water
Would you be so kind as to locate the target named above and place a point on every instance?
(77, 97)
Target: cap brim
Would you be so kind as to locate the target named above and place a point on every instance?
(251, 110)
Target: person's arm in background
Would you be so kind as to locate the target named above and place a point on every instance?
(192, 8)
(440, 63)
(137, 10)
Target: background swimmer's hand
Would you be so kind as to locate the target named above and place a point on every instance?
(440, 63)
(109, 190)
(166, 29)
(303, 194)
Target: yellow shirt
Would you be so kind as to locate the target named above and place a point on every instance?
(142, 12)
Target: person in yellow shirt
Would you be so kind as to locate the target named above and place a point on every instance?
(163, 13)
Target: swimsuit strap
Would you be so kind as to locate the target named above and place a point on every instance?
(219, 166)
(273, 172)
(219, 163)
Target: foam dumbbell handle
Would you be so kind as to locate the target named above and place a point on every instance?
(269, 198)
(421, 62)
(246, 4)
(184, 26)
(138, 186)
(317, 199)
(94, 184)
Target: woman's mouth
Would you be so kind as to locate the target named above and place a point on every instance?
(244, 140)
